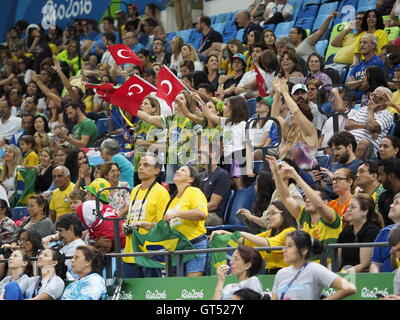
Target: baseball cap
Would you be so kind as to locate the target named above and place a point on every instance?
(267, 100)
(239, 56)
(299, 86)
(97, 185)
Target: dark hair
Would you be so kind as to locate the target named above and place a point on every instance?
(42, 202)
(193, 174)
(269, 61)
(372, 166)
(391, 165)
(303, 240)
(247, 294)
(259, 45)
(149, 72)
(239, 110)
(144, 52)
(78, 194)
(367, 203)
(274, 49)
(28, 139)
(152, 22)
(292, 56)
(110, 37)
(109, 19)
(204, 85)
(320, 58)
(189, 77)
(29, 267)
(395, 142)
(343, 138)
(94, 256)
(394, 236)
(189, 64)
(288, 219)
(301, 31)
(71, 162)
(265, 189)
(206, 20)
(322, 193)
(249, 254)
(68, 220)
(45, 120)
(106, 168)
(207, 60)
(379, 20)
(74, 105)
(375, 78)
(258, 35)
(152, 7)
(35, 239)
(293, 164)
(4, 205)
(60, 268)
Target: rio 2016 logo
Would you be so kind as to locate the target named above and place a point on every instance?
(72, 8)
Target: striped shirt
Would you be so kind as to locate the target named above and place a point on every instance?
(384, 119)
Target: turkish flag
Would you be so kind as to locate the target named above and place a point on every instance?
(168, 85)
(131, 94)
(123, 54)
(260, 81)
(104, 91)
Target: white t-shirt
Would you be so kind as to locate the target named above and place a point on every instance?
(69, 250)
(9, 127)
(257, 134)
(327, 129)
(305, 48)
(234, 136)
(284, 8)
(318, 117)
(251, 283)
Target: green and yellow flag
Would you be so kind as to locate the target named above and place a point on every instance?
(161, 237)
(223, 241)
(25, 187)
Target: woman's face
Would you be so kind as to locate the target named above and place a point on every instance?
(287, 64)
(290, 252)
(233, 48)
(15, 84)
(211, 107)
(16, 260)
(312, 92)
(261, 107)
(81, 158)
(79, 262)
(386, 149)
(60, 157)
(182, 175)
(269, 38)
(44, 158)
(251, 38)
(182, 99)
(33, 208)
(354, 212)
(31, 89)
(274, 216)
(314, 64)
(75, 203)
(9, 155)
(72, 47)
(371, 19)
(39, 124)
(102, 71)
(45, 258)
(340, 182)
(238, 266)
(114, 174)
(24, 243)
(147, 107)
(213, 63)
(186, 53)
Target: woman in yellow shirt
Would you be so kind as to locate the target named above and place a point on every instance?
(372, 23)
(187, 213)
(281, 222)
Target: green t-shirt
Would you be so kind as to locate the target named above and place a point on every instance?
(86, 128)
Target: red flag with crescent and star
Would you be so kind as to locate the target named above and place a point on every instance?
(168, 85)
(130, 95)
(104, 91)
(260, 81)
(123, 54)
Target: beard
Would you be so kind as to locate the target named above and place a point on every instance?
(344, 158)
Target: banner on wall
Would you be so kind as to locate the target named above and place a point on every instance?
(202, 288)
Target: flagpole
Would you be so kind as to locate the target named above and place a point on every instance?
(173, 74)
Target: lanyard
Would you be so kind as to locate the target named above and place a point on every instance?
(172, 198)
(293, 280)
(144, 199)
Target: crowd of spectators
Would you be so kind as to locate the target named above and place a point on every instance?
(331, 164)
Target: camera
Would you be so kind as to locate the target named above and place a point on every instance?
(128, 229)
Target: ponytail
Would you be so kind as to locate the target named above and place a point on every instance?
(303, 240)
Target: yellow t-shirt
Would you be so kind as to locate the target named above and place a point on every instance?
(396, 100)
(152, 211)
(273, 259)
(382, 40)
(60, 202)
(323, 231)
(192, 198)
(31, 159)
(346, 52)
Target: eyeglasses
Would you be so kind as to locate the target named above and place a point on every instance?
(336, 179)
(272, 213)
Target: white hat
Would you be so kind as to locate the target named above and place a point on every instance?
(299, 86)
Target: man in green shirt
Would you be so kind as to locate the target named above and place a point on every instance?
(83, 133)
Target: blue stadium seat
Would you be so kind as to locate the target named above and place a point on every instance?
(310, 2)
(239, 34)
(93, 161)
(347, 12)
(318, 23)
(103, 125)
(19, 212)
(321, 46)
(230, 31)
(170, 36)
(231, 17)
(364, 5)
(2, 152)
(219, 27)
(251, 106)
(307, 12)
(195, 39)
(305, 23)
(185, 34)
(228, 206)
(327, 8)
(270, 26)
(283, 28)
(222, 17)
(212, 18)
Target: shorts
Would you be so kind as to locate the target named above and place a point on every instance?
(198, 263)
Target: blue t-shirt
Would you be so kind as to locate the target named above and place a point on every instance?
(358, 72)
(137, 47)
(90, 287)
(91, 36)
(382, 254)
(99, 42)
(126, 168)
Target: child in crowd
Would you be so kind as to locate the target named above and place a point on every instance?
(27, 145)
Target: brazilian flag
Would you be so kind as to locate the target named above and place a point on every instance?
(161, 237)
(223, 241)
(25, 187)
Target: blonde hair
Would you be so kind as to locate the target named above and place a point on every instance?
(176, 46)
(194, 56)
(44, 141)
(6, 172)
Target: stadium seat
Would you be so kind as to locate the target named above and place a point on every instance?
(283, 28)
(19, 212)
(392, 33)
(230, 31)
(305, 23)
(318, 23)
(228, 206)
(251, 106)
(364, 5)
(334, 32)
(321, 46)
(185, 34)
(310, 2)
(195, 39)
(170, 36)
(307, 12)
(327, 8)
(222, 17)
(270, 26)
(212, 18)
(103, 125)
(239, 34)
(93, 161)
(2, 152)
(219, 27)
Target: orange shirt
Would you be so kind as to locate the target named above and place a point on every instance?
(340, 209)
